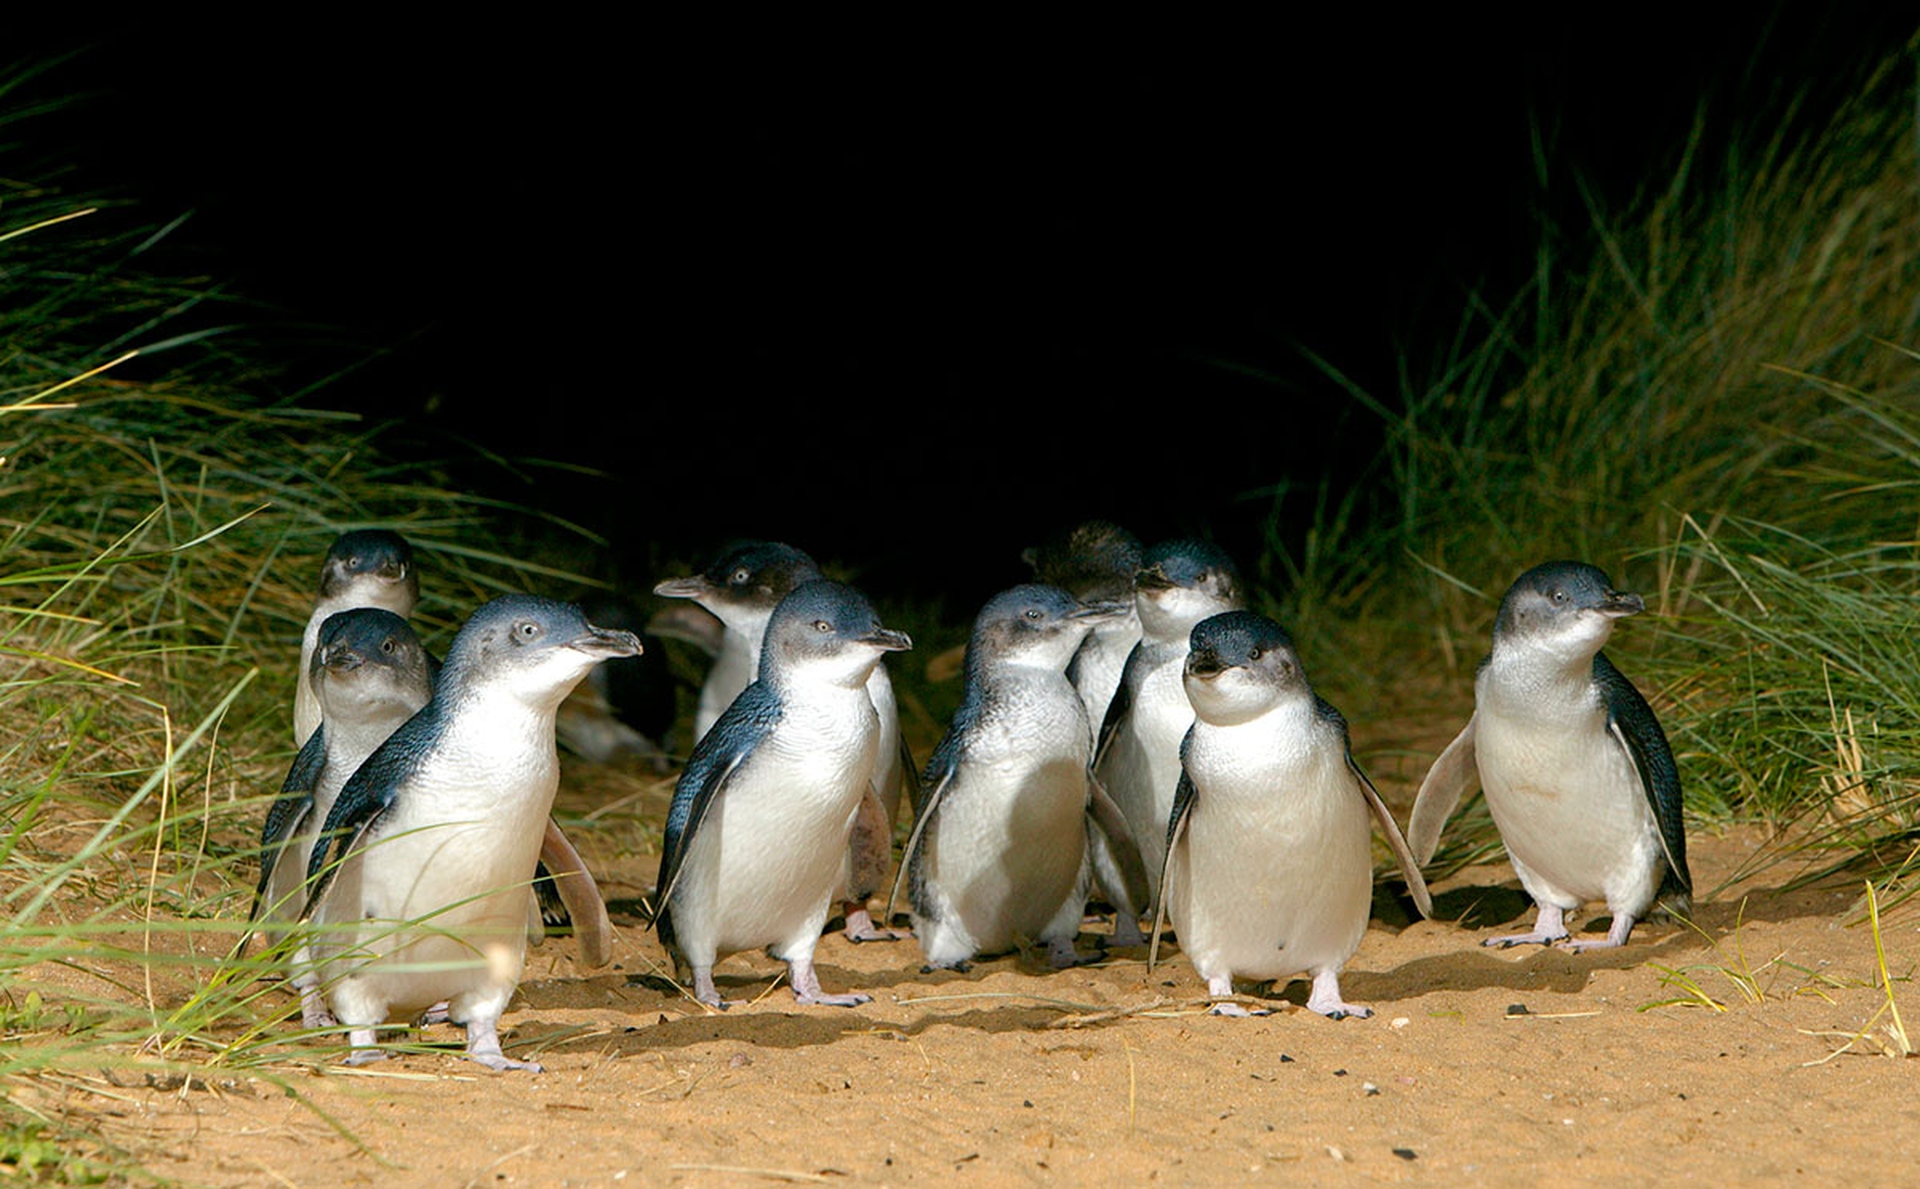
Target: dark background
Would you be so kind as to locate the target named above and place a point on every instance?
(909, 296)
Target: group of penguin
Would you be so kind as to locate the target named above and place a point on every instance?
(1128, 733)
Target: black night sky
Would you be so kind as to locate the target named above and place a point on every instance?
(860, 287)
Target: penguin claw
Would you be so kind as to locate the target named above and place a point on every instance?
(961, 967)
(853, 1000)
(365, 1056)
(1237, 1012)
(1507, 943)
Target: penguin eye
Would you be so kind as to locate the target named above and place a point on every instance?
(821, 625)
(1559, 596)
(388, 646)
(741, 576)
(526, 629)
(1256, 654)
(1033, 613)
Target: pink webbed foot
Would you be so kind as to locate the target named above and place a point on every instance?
(1548, 927)
(806, 987)
(1616, 936)
(860, 926)
(1221, 988)
(1325, 999)
(483, 1048)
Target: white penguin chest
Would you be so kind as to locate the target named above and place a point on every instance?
(1563, 790)
(1274, 875)
(761, 868)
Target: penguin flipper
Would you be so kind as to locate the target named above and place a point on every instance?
(1183, 798)
(592, 929)
(1116, 856)
(715, 759)
(1117, 710)
(1633, 723)
(1409, 866)
(1440, 794)
(288, 813)
(939, 778)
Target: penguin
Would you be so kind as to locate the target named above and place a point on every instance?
(999, 854)
(1269, 866)
(369, 675)
(1096, 563)
(757, 834)
(1138, 761)
(370, 567)
(420, 887)
(625, 708)
(1576, 770)
(741, 587)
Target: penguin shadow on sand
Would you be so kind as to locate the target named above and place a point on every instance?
(1471, 910)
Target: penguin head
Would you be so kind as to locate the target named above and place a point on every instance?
(1094, 563)
(1239, 666)
(745, 582)
(371, 567)
(368, 659)
(1566, 608)
(826, 632)
(1183, 582)
(534, 650)
(1034, 625)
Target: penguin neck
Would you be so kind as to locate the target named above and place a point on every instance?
(1539, 673)
(831, 678)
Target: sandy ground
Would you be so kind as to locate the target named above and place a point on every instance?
(1478, 1067)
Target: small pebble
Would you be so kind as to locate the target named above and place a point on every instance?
(1405, 1153)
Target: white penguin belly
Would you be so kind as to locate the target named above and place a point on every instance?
(764, 863)
(1010, 848)
(440, 892)
(1099, 664)
(1568, 802)
(733, 670)
(1275, 872)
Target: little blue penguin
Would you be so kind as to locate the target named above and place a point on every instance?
(1576, 771)
(999, 856)
(1269, 867)
(1096, 563)
(439, 831)
(1138, 761)
(758, 831)
(369, 675)
(364, 568)
(741, 587)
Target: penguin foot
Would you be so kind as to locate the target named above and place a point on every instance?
(806, 987)
(483, 1048)
(1617, 934)
(960, 966)
(705, 991)
(365, 1056)
(860, 927)
(313, 1010)
(437, 1014)
(1548, 927)
(1126, 932)
(1507, 943)
(1235, 1011)
(1062, 956)
(1325, 999)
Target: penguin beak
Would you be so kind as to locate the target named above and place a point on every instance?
(1618, 605)
(608, 643)
(1152, 579)
(683, 588)
(336, 659)
(888, 640)
(1205, 665)
(1100, 612)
